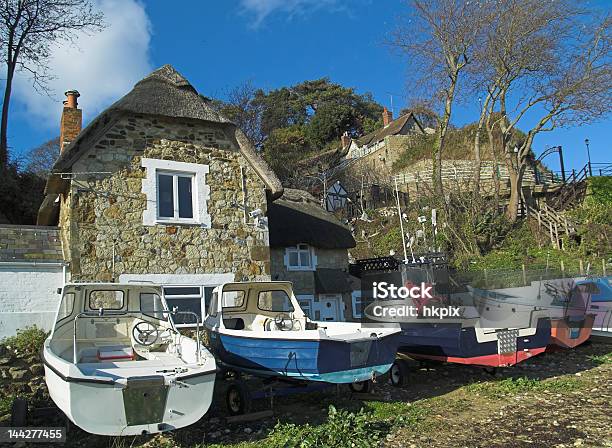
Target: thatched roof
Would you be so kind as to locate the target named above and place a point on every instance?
(166, 93)
(394, 128)
(298, 217)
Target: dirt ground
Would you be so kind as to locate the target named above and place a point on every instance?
(569, 405)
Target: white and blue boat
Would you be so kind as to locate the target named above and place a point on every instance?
(259, 328)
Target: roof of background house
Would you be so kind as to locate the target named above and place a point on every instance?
(298, 217)
(30, 244)
(392, 129)
(165, 92)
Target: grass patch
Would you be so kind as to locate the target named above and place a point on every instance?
(365, 428)
(27, 342)
(601, 359)
(513, 386)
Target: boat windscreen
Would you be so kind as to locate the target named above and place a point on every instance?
(151, 305)
(66, 306)
(232, 299)
(110, 299)
(276, 301)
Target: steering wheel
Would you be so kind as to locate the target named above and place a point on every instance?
(280, 320)
(145, 333)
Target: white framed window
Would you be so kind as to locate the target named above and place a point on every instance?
(357, 306)
(300, 258)
(187, 298)
(176, 193)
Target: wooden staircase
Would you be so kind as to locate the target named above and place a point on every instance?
(551, 214)
(554, 222)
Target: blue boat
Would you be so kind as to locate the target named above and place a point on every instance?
(259, 328)
(599, 289)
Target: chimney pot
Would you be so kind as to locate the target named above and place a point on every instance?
(387, 117)
(71, 100)
(345, 139)
(72, 119)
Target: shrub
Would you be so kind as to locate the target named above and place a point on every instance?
(27, 342)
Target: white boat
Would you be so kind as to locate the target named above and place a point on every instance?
(116, 365)
(259, 328)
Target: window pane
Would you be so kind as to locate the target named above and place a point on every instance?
(108, 300)
(66, 306)
(277, 301)
(185, 197)
(166, 201)
(185, 305)
(293, 259)
(305, 259)
(232, 299)
(151, 305)
(181, 291)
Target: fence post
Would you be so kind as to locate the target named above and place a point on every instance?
(486, 278)
(524, 276)
(562, 268)
(603, 266)
(581, 267)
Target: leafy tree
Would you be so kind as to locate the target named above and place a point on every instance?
(284, 147)
(28, 31)
(21, 193)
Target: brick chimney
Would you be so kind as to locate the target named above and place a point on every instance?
(345, 139)
(387, 117)
(72, 119)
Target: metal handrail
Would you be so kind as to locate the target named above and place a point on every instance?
(197, 331)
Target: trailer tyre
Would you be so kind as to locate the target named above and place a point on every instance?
(398, 374)
(19, 412)
(361, 387)
(238, 399)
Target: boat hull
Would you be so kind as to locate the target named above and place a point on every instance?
(454, 343)
(113, 409)
(567, 333)
(332, 361)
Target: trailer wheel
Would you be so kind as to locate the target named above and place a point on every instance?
(238, 399)
(490, 370)
(19, 412)
(399, 373)
(361, 387)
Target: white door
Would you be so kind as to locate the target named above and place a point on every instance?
(329, 305)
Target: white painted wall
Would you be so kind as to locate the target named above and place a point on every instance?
(28, 295)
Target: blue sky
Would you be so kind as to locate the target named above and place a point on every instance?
(218, 45)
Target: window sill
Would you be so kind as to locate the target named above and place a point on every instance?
(180, 222)
(309, 269)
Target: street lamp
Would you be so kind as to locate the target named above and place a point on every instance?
(586, 142)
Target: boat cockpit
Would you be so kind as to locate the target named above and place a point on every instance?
(265, 306)
(116, 323)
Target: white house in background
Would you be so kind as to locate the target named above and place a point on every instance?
(31, 271)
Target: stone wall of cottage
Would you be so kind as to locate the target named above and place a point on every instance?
(303, 281)
(102, 215)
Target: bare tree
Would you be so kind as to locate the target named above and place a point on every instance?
(40, 160)
(550, 60)
(28, 28)
(439, 39)
(245, 107)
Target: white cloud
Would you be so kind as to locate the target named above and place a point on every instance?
(102, 66)
(261, 9)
